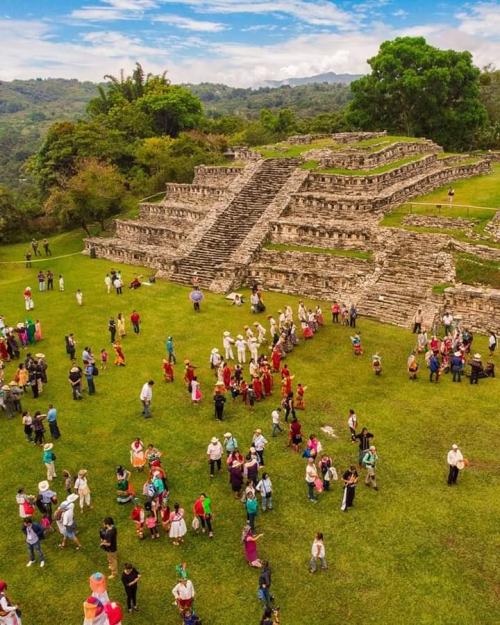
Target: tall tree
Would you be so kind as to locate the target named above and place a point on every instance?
(419, 90)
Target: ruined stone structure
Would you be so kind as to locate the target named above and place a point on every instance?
(217, 227)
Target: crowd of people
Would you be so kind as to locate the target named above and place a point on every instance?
(252, 367)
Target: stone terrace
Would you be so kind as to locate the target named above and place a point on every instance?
(217, 227)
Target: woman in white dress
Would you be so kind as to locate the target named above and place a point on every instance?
(120, 325)
(178, 527)
(82, 488)
(137, 455)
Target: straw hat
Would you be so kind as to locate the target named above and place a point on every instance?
(40, 355)
(258, 431)
(226, 333)
(236, 463)
(186, 362)
(454, 446)
(477, 356)
(240, 337)
(373, 448)
(72, 498)
(48, 446)
(82, 472)
(227, 435)
(214, 440)
(215, 350)
(74, 370)
(43, 486)
(457, 354)
(5, 387)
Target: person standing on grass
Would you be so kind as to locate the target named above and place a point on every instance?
(219, 401)
(27, 256)
(370, 460)
(50, 280)
(89, 376)
(311, 477)
(52, 421)
(120, 326)
(49, 458)
(75, 379)
(259, 442)
(202, 509)
(434, 368)
(146, 398)
(81, 486)
(71, 346)
(455, 461)
(170, 350)
(184, 594)
(318, 553)
(364, 438)
(46, 248)
(451, 195)
(352, 424)
(214, 453)
(11, 615)
(108, 282)
(68, 522)
(109, 535)
(252, 508)
(112, 329)
(350, 478)
(79, 297)
(418, 319)
(135, 320)
(492, 342)
(265, 488)
(34, 535)
(275, 417)
(61, 283)
(130, 580)
(178, 527)
(265, 584)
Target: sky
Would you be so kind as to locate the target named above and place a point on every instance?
(236, 42)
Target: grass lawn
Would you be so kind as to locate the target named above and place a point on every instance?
(416, 552)
(475, 270)
(474, 199)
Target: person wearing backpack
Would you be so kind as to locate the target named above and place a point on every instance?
(369, 462)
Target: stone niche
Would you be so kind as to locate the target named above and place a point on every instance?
(341, 235)
(214, 176)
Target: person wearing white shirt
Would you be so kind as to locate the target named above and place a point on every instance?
(146, 397)
(241, 349)
(259, 442)
(10, 615)
(214, 453)
(184, 594)
(265, 488)
(275, 416)
(352, 423)
(261, 332)
(227, 343)
(311, 476)
(447, 322)
(68, 522)
(455, 462)
(318, 553)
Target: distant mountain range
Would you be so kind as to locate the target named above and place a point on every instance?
(329, 77)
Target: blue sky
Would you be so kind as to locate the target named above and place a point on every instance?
(238, 42)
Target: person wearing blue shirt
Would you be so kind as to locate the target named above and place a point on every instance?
(52, 421)
(434, 368)
(34, 534)
(170, 350)
(89, 374)
(457, 366)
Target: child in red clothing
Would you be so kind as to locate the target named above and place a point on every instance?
(300, 402)
(168, 371)
(104, 359)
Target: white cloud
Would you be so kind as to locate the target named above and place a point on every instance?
(317, 12)
(114, 10)
(187, 23)
(483, 19)
(401, 13)
(261, 27)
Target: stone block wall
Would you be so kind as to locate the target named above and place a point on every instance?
(493, 227)
(194, 193)
(479, 309)
(335, 183)
(172, 211)
(338, 137)
(358, 159)
(149, 233)
(346, 235)
(214, 176)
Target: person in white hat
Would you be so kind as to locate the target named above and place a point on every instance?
(214, 453)
(369, 461)
(81, 486)
(68, 521)
(261, 332)
(49, 461)
(455, 462)
(228, 342)
(259, 442)
(253, 346)
(230, 443)
(457, 366)
(241, 349)
(215, 359)
(476, 367)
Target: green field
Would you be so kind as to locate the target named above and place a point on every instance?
(416, 552)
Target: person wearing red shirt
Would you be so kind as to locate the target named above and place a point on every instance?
(135, 319)
(335, 312)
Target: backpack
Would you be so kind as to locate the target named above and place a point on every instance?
(58, 514)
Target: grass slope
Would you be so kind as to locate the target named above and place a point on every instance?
(415, 552)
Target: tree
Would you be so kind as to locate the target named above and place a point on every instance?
(95, 193)
(419, 90)
(12, 220)
(172, 108)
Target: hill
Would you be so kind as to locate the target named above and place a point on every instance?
(328, 77)
(305, 100)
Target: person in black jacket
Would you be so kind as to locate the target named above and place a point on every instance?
(34, 535)
(219, 401)
(108, 535)
(112, 329)
(130, 579)
(265, 584)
